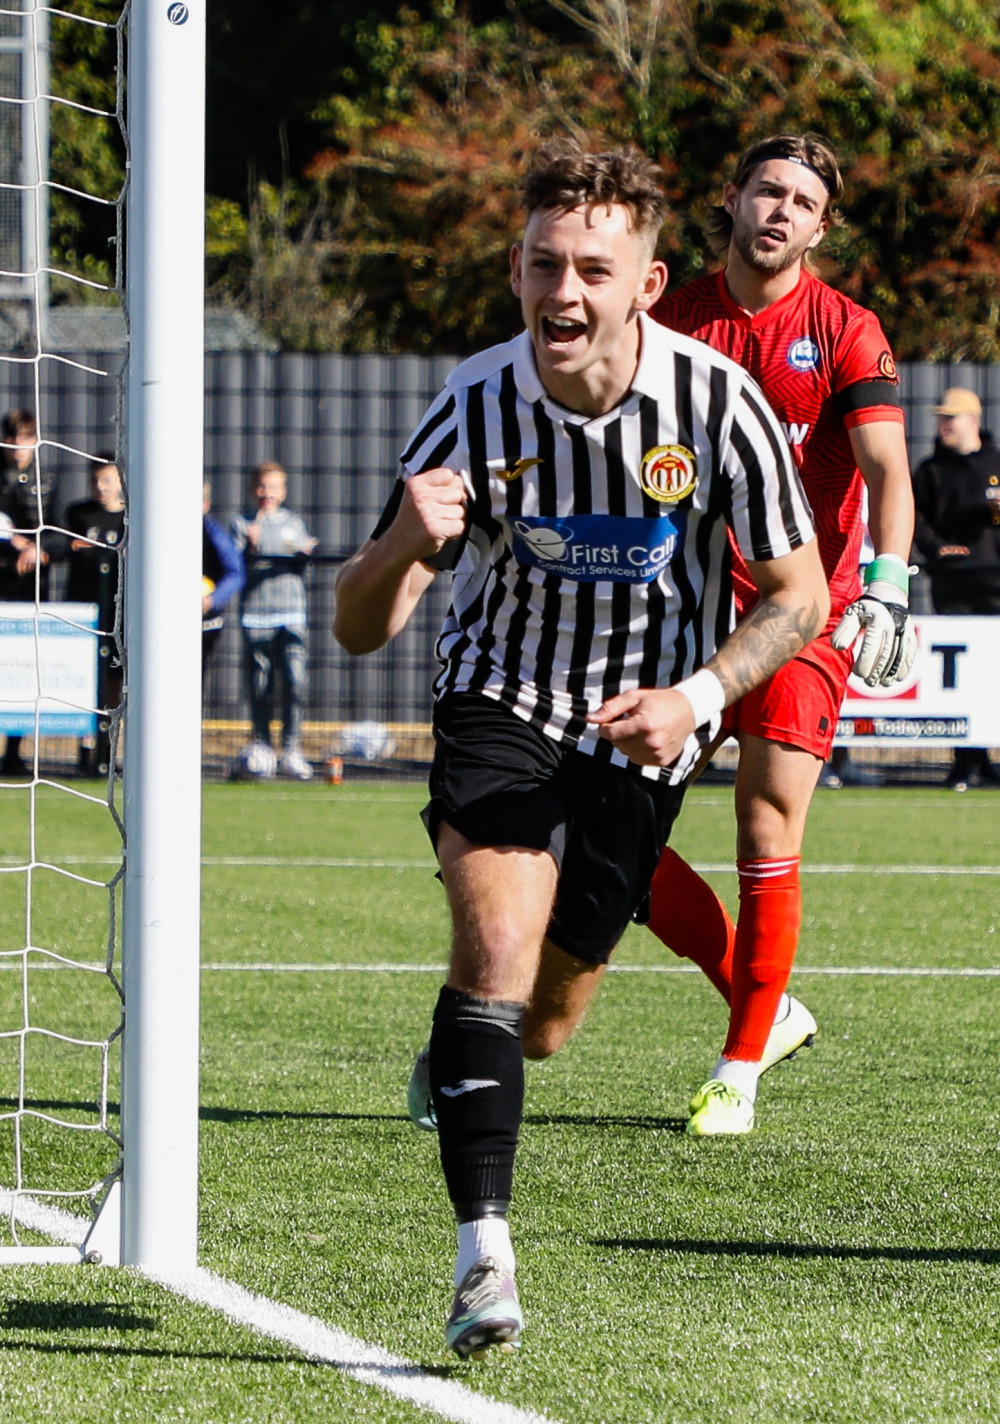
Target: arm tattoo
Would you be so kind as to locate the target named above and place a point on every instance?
(768, 637)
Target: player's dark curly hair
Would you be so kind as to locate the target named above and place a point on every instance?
(562, 174)
(810, 149)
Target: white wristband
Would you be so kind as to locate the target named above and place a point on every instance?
(705, 693)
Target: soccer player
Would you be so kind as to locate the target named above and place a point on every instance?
(578, 481)
(826, 368)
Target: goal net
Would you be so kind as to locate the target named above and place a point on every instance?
(100, 637)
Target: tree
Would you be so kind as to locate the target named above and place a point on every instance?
(908, 94)
(86, 153)
(363, 162)
(423, 174)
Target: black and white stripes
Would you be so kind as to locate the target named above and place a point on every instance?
(581, 575)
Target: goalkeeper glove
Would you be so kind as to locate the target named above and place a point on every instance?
(889, 644)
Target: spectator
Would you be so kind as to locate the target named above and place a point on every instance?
(95, 527)
(957, 532)
(275, 545)
(223, 574)
(27, 499)
(842, 770)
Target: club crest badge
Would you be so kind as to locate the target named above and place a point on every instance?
(668, 473)
(803, 354)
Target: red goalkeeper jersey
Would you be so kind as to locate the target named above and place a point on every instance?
(824, 364)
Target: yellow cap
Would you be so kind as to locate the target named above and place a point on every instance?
(959, 401)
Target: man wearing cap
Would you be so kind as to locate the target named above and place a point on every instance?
(826, 368)
(957, 496)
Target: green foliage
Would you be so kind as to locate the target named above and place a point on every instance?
(226, 229)
(367, 203)
(86, 152)
(272, 266)
(907, 93)
(423, 172)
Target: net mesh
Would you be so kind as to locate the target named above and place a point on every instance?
(61, 662)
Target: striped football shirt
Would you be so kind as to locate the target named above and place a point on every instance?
(596, 556)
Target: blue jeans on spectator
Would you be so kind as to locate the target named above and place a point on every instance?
(272, 654)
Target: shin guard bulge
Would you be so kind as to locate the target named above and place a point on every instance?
(687, 915)
(767, 935)
(477, 1083)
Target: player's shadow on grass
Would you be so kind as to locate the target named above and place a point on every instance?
(72, 1315)
(794, 1250)
(235, 1115)
(229, 1116)
(65, 1317)
(151, 1352)
(645, 1123)
(207, 1114)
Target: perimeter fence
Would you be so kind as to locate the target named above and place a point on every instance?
(337, 425)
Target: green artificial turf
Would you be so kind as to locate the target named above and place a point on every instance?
(841, 1263)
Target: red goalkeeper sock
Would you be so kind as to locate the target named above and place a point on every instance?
(687, 915)
(767, 935)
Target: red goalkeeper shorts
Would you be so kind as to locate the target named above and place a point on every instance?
(800, 704)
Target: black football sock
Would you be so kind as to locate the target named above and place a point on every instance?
(477, 1083)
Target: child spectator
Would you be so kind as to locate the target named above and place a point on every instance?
(275, 545)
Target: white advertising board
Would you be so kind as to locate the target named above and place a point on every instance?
(48, 657)
(951, 697)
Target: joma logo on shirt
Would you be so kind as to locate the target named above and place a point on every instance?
(519, 469)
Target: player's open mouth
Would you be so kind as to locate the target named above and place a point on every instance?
(560, 330)
(773, 234)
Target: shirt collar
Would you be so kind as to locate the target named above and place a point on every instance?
(647, 379)
(774, 312)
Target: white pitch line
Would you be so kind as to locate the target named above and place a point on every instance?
(875, 970)
(887, 869)
(360, 1361)
(367, 1364)
(888, 971)
(705, 868)
(319, 862)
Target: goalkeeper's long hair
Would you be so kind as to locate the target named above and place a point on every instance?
(809, 149)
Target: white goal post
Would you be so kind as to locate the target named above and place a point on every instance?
(144, 1205)
(163, 564)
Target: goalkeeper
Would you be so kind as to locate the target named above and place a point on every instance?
(826, 368)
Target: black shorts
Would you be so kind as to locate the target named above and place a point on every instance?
(499, 781)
